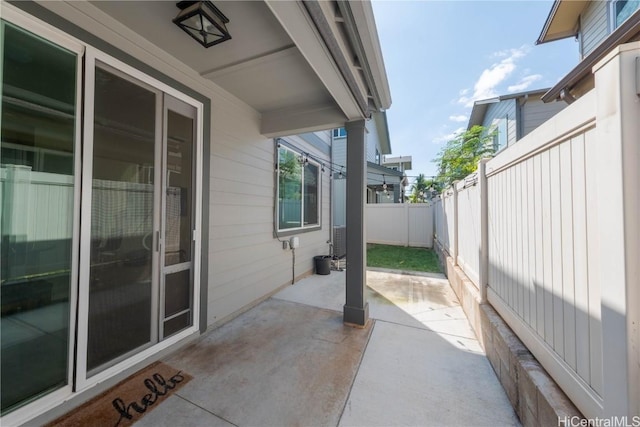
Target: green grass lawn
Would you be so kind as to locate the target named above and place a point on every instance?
(401, 258)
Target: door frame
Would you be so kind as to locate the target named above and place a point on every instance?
(92, 57)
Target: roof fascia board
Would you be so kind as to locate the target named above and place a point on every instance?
(382, 127)
(620, 35)
(361, 27)
(297, 23)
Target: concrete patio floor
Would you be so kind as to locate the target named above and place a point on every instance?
(290, 361)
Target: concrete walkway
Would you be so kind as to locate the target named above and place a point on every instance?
(291, 362)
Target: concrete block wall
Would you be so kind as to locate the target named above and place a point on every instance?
(534, 395)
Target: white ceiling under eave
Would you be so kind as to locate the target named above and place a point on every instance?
(275, 61)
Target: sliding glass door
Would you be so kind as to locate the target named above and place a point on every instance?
(38, 176)
(99, 215)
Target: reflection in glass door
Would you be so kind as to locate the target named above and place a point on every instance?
(39, 127)
(178, 218)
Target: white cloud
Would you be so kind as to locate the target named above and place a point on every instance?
(459, 118)
(442, 138)
(524, 83)
(491, 77)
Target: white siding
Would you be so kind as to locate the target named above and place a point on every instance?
(594, 25)
(502, 110)
(373, 141)
(535, 112)
(246, 262)
(339, 152)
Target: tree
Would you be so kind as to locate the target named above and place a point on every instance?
(423, 189)
(461, 155)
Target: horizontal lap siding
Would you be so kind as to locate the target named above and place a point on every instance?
(594, 23)
(246, 262)
(542, 252)
(502, 110)
(535, 112)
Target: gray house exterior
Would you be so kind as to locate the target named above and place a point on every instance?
(148, 182)
(599, 26)
(513, 116)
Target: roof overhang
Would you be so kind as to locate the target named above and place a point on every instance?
(563, 20)
(629, 30)
(300, 65)
(480, 107)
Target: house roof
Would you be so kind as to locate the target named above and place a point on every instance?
(562, 21)
(627, 31)
(480, 107)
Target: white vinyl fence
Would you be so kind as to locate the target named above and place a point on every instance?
(560, 252)
(398, 224)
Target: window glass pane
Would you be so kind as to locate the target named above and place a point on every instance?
(624, 9)
(311, 194)
(179, 189)
(122, 209)
(37, 193)
(289, 190)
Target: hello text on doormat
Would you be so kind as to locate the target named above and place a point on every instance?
(129, 400)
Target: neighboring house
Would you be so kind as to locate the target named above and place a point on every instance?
(599, 26)
(399, 163)
(148, 182)
(513, 116)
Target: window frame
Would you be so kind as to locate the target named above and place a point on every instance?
(613, 16)
(278, 232)
(340, 133)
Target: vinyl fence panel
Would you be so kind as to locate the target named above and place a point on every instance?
(400, 224)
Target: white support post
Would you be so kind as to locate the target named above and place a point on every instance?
(618, 210)
(484, 230)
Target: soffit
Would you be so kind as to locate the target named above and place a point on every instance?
(260, 65)
(562, 21)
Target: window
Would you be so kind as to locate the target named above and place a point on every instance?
(340, 133)
(500, 135)
(623, 9)
(298, 191)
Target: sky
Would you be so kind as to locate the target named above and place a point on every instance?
(441, 56)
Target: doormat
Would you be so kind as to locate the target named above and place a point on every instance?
(129, 400)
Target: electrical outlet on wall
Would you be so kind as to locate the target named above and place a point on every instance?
(285, 245)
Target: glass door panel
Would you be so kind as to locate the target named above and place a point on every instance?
(177, 274)
(121, 289)
(38, 135)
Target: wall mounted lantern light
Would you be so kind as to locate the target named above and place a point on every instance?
(202, 21)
